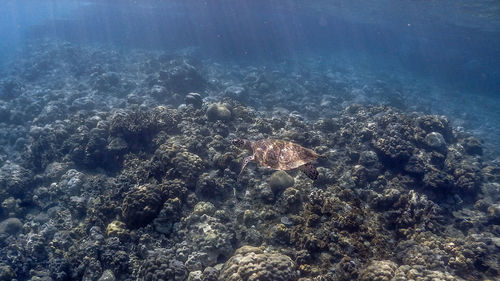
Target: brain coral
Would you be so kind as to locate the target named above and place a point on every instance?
(251, 264)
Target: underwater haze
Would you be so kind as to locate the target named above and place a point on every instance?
(249, 140)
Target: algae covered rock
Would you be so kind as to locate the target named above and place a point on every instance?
(15, 179)
(107, 275)
(10, 88)
(472, 146)
(131, 123)
(280, 180)
(6, 273)
(181, 77)
(188, 166)
(202, 208)
(434, 123)
(194, 99)
(11, 226)
(116, 228)
(252, 263)
(210, 238)
(237, 93)
(169, 214)
(406, 272)
(138, 125)
(218, 111)
(435, 140)
(161, 265)
(494, 212)
(368, 158)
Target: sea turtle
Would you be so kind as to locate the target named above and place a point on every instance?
(280, 155)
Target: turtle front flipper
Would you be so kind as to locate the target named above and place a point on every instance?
(309, 170)
(246, 160)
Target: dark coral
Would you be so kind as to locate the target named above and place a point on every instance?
(141, 205)
(15, 180)
(138, 126)
(181, 77)
(10, 88)
(162, 265)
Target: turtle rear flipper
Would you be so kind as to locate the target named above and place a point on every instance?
(309, 170)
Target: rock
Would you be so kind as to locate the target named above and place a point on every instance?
(473, 146)
(72, 182)
(181, 78)
(416, 164)
(107, 275)
(159, 92)
(16, 180)
(161, 265)
(412, 272)
(6, 273)
(211, 240)
(116, 228)
(132, 124)
(106, 82)
(117, 145)
(10, 89)
(55, 170)
(218, 111)
(188, 166)
(494, 212)
(169, 214)
(434, 123)
(368, 158)
(435, 141)
(281, 233)
(195, 261)
(11, 206)
(83, 103)
(4, 112)
(204, 208)
(195, 99)
(235, 92)
(11, 226)
(210, 274)
(250, 217)
(195, 276)
(496, 241)
(280, 180)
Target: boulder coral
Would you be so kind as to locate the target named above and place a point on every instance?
(251, 263)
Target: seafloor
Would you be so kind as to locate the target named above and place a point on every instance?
(118, 165)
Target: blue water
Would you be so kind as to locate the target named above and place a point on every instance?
(447, 51)
(18, 18)
(453, 42)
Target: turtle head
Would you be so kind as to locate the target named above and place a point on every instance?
(243, 143)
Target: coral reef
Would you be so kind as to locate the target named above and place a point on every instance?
(161, 265)
(120, 166)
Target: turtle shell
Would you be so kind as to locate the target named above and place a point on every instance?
(281, 155)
